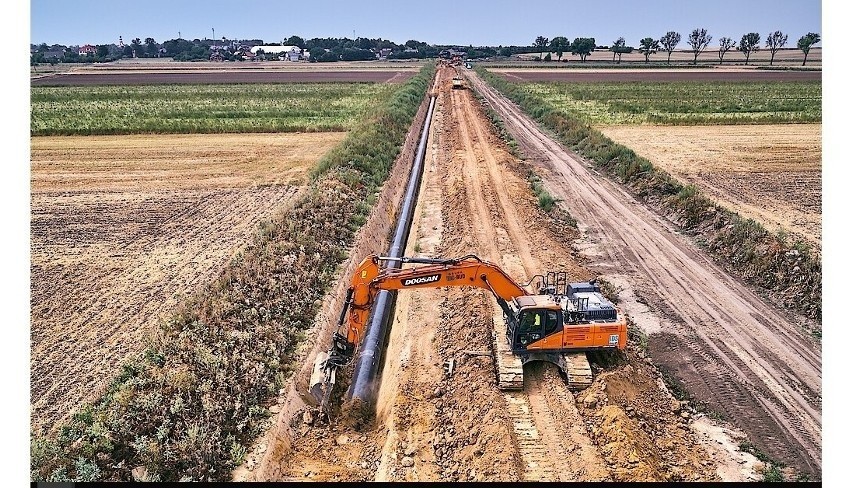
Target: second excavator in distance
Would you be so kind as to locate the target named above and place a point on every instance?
(558, 323)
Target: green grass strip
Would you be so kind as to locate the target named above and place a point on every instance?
(684, 103)
(791, 270)
(188, 109)
(190, 407)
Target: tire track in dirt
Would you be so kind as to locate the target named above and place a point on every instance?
(770, 367)
(538, 431)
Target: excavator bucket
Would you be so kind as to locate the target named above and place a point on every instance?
(322, 379)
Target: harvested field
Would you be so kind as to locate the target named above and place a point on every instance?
(771, 173)
(705, 75)
(155, 77)
(123, 227)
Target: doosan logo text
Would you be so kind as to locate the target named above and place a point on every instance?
(421, 280)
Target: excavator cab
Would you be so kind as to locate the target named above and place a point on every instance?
(536, 317)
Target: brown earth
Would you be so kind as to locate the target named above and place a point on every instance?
(731, 350)
(152, 77)
(771, 173)
(637, 75)
(433, 425)
(122, 227)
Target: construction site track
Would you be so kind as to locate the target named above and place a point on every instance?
(733, 351)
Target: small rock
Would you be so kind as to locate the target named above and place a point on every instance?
(675, 405)
(684, 415)
(410, 450)
(407, 462)
(364, 464)
(275, 408)
(307, 417)
(140, 473)
(590, 401)
(342, 439)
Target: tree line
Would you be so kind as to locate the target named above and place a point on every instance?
(331, 49)
(698, 41)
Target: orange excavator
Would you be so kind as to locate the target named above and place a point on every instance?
(557, 324)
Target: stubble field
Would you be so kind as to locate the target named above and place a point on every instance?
(124, 227)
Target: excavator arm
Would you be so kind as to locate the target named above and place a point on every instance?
(370, 277)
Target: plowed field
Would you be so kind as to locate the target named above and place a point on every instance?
(123, 227)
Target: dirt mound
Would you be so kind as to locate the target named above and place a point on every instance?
(642, 431)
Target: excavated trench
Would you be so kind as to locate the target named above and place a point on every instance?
(438, 414)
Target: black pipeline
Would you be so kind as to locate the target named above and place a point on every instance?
(364, 385)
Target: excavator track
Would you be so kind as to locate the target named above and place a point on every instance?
(578, 370)
(510, 369)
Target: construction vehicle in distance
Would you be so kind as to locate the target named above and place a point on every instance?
(458, 81)
(557, 324)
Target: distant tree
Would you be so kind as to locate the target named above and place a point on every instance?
(541, 43)
(774, 42)
(136, 46)
(583, 46)
(151, 47)
(805, 43)
(749, 43)
(559, 45)
(698, 41)
(43, 47)
(296, 41)
(102, 51)
(669, 41)
(648, 46)
(725, 45)
(618, 47)
(506, 51)
(547, 57)
(316, 54)
(128, 51)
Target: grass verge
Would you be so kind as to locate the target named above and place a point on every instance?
(190, 406)
(791, 271)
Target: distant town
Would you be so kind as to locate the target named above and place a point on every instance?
(294, 49)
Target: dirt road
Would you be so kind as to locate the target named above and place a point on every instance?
(748, 361)
(439, 413)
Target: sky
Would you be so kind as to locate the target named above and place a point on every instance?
(444, 22)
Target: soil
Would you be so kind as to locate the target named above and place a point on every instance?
(439, 414)
(770, 173)
(123, 227)
(714, 338)
(157, 77)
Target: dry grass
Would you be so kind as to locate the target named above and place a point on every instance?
(771, 173)
(124, 226)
